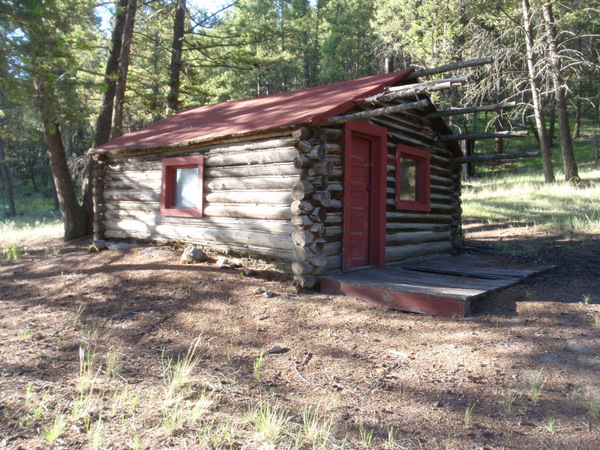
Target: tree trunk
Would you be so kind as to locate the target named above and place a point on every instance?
(535, 94)
(499, 142)
(577, 127)
(5, 178)
(104, 119)
(176, 54)
(117, 117)
(75, 221)
(596, 134)
(566, 143)
(552, 120)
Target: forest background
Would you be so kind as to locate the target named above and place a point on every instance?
(70, 82)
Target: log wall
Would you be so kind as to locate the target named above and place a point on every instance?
(315, 210)
(411, 234)
(282, 198)
(246, 204)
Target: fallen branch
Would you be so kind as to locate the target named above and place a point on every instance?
(473, 109)
(155, 324)
(475, 136)
(497, 157)
(449, 67)
(301, 376)
(411, 90)
(377, 112)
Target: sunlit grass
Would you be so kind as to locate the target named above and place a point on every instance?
(14, 231)
(556, 207)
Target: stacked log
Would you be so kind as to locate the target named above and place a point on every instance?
(98, 172)
(311, 203)
(412, 234)
(246, 205)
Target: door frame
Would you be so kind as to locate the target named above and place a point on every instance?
(377, 195)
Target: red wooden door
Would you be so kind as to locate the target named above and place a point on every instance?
(365, 165)
(358, 185)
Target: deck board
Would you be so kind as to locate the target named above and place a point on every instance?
(441, 286)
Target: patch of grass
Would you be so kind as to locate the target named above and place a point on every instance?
(257, 366)
(55, 430)
(78, 314)
(269, 423)
(25, 335)
(315, 427)
(551, 425)
(509, 400)
(575, 392)
(449, 442)
(174, 414)
(87, 377)
(536, 384)
(390, 443)
(114, 363)
(81, 406)
(35, 406)
(366, 436)
(587, 299)
(201, 406)
(27, 227)
(178, 373)
(469, 414)
(95, 433)
(594, 408)
(90, 332)
(12, 253)
(211, 436)
(525, 198)
(136, 443)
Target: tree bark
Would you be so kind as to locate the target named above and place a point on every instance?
(176, 54)
(551, 119)
(5, 178)
(535, 94)
(76, 223)
(499, 142)
(117, 116)
(104, 119)
(577, 127)
(566, 143)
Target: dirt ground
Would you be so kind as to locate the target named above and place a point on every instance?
(87, 340)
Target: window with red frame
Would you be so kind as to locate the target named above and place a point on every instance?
(181, 194)
(413, 189)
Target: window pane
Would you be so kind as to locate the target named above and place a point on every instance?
(408, 179)
(186, 188)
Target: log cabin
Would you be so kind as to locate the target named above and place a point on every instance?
(329, 178)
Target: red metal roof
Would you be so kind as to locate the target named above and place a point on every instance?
(205, 123)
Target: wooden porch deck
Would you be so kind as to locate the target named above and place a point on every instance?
(445, 286)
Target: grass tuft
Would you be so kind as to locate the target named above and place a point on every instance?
(55, 430)
(366, 436)
(114, 363)
(536, 384)
(269, 423)
(594, 408)
(315, 427)
(469, 414)
(257, 365)
(509, 400)
(179, 373)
